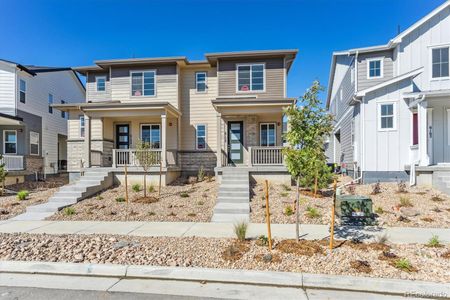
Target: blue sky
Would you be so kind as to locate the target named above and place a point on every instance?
(74, 33)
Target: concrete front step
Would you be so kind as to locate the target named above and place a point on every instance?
(233, 194)
(32, 216)
(232, 208)
(49, 206)
(62, 199)
(230, 218)
(232, 200)
(234, 187)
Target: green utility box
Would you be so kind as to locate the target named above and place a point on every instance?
(354, 209)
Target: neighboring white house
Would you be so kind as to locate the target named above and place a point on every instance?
(392, 104)
(33, 134)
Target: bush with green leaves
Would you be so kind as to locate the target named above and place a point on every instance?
(201, 174)
(22, 195)
(405, 202)
(379, 210)
(288, 210)
(136, 187)
(151, 188)
(403, 264)
(434, 242)
(312, 212)
(240, 229)
(184, 195)
(120, 199)
(68, 211)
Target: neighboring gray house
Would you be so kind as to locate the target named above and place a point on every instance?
(392, 105)
(33, 135)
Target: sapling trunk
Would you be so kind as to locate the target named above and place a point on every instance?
(145, 183)
(297, 208)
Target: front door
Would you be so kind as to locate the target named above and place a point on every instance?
(236, 142)
(123, 136)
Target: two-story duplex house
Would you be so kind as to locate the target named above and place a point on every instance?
(392, 105)
(32, 133)
(226, 110)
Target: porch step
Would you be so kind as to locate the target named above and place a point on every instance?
(93, 181)
(233, 204)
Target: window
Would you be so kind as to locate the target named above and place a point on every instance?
(50, 102)
(268, 134)
(440, 62)
(200, 82)
(101, 83)
(143, 83)
(63, 113)
(374, 68)
(150, 133)
(9, 142)
(34, 143)
(387, 116)
(201, 137)
(82, 127)
(415, 127)
(250, 77)
(22, 90)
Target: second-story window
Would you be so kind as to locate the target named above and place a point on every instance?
(250, 77)
(200, 82)
(50, 102)
(440, 62)
(82, 127)
(374, 68)
(63, 113)
(101, 83)
(22, 90)
(143, 83)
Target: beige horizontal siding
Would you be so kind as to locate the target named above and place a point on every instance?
(197, 108)
(274, 81)
(91, 88)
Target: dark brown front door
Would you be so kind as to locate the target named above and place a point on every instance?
(123, 136)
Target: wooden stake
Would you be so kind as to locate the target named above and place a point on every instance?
(315, 186)
(126, 183)
(332, 216)
(160, 175)
(269, 233)
(297, 210)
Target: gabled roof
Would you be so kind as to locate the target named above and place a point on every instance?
(17, 65)
(390, 45)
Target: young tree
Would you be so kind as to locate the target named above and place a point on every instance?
(3, 174)
(146, 158)
(308, 126)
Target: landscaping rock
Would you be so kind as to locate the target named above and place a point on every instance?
(409, 211)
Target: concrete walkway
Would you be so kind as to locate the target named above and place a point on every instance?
(398, 235)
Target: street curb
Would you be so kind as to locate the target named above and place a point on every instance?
(415, 288)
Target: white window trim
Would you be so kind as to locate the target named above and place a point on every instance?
(206, 83)
(250, 90)
(196, 136)
(369, 60)
(275, 127)
(131, 83)
(84, 126)
(431, 62)
(394, 114)
(49, 104)
(151, 124)
(25, 91)
(96, 83)
(38, 143)
(4, 141)
(448, 126)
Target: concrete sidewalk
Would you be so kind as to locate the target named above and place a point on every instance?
(398, 235)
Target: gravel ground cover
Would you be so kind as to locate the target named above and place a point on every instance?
(180, 202)
(40, 192)
(410, 261)
(415, 207)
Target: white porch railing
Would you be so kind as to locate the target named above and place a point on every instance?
(12, 162)
(130, 157)
(266, 156)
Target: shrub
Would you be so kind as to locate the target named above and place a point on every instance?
(286, 187)
(184, 195)
(151, 213)
(379, 210)
(22, 195)
(376, 188)
(151, 188)
(240, 229)
(120, 199)
(136, 187)
(284, 194)
(405, 202)
(201, 174)
(262, 240)
(312, 212)
(200, 202)
(68, 211)
(403, 264)
(434, 242)
(288, 210)
(401, 187)
(99, 197)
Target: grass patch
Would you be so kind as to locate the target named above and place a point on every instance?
(184, 195)
(284, 194)
(405, 202)
(312, 212)
(436, 198)
(200, 203)
(404, 264)
(288, 210)
(434, 242)
(151, 188)
(22, 195)
(379, 210)
(99, 197)
(136, 187)
(286, 187)
(69, 211)
(240, 230)
(151, 213)
(120, 199)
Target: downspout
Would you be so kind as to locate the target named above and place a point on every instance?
(412, 171)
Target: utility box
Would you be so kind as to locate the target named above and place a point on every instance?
(354, 209)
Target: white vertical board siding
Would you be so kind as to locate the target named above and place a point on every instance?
(415, 51)
(62, 85)
(387, 150)
(7, 89)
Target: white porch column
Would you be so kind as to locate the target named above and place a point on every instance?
(422, 114)
(87, 142)
(219, 140)
(163, 139)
